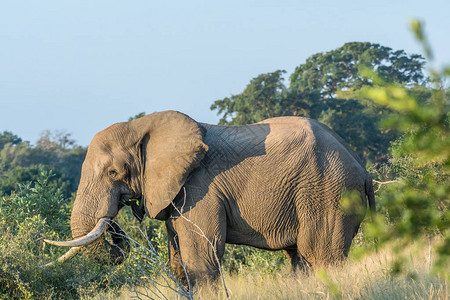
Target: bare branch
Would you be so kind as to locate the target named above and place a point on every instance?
(151, 261)
(203, 235)
(381, 183)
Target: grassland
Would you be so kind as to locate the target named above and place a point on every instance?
(369, 277)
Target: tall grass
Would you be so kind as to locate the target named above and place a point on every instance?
(371, 277)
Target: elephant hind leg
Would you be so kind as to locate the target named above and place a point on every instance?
(327, 241)
(298, 262)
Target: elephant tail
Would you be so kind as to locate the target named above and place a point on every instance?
(370, 194)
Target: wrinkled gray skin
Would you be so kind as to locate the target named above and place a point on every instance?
(274, 185)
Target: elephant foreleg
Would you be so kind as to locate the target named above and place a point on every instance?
(201, 245)
(175, 257)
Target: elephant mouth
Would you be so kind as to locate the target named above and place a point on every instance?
(118, 250)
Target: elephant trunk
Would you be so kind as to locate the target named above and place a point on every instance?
(89, 236)
(97, 246)
(84, 218)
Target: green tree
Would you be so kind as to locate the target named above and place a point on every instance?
(323, 74)
(8, 137)
(21, 162)
(58, 140)
(139, 115)
(260, 100)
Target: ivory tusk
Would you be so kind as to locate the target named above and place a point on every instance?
(68, 255)
(86, 239)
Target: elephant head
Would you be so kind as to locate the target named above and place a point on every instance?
(147, 159)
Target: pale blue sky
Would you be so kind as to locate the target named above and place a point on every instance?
(81, 66)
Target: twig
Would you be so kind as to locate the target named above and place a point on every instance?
(381, 183)
(155, 260)
(203, 235)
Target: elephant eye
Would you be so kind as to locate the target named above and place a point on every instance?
(112, 173)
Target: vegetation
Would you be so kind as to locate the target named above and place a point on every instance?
(366, 278)
(419, 203)
(350, 89)
(22, 162)
(26, 217)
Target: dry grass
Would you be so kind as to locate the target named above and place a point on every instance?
(366, 278)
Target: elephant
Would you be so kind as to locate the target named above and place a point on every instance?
(274, 185)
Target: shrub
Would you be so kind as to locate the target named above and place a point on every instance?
(419, 203)
(28, 216)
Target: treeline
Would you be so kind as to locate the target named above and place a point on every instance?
(21, 162)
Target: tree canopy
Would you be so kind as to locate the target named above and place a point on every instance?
(260, 100)
(323, 74)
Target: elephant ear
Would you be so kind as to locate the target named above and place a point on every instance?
(171, 147)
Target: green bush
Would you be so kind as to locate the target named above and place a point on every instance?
(242, 259)
(26, 218)
(419, 203)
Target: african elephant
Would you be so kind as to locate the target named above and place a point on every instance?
(274, 185)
